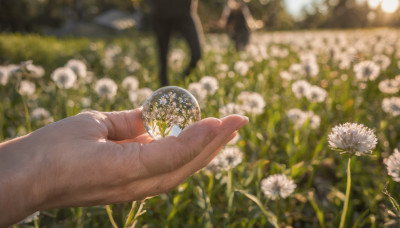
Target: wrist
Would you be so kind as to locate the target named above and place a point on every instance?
(20, 192)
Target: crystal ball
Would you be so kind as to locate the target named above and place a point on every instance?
(168, 111)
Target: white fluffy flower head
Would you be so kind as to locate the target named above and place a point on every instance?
(277, 186)
(64, 77)
(352, 138)
(106, 87)
(393, 165)
(391, 105)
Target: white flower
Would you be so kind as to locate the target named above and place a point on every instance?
(277, 186)
(382, 60)
(210, 84)
(352, 138)
(139, 96)
(32, 70)
(4, 75)
(389, 86)
(106, 87)
(41, 115)
(393, 165)
(86, 102)
(26, 88)
(130, 83)
(285, 75)
(297, 116)
(241, 67)
(234, 140)
(230, 108)
(227, 159)
(314, 120)
(198, 91)
(391, 105)
(366, 70)
(316, 94)
(301, 88)
(78, 66)
(63, 77)
(252, 102)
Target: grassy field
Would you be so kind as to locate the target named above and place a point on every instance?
(277, 139)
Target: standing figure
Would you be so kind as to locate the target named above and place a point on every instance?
(237, 19)
(181, 16)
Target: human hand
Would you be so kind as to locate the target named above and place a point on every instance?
(97, 158)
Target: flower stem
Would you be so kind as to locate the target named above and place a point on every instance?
(139, 212)
(346, 202)
(28, 123)
(130, 215)
(110, 216)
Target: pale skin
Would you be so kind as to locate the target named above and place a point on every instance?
(97, 158)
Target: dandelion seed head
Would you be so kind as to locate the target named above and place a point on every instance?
(230, 108)
(352, 138)
(316, 94)
(391, 105)
(198, 91)
(64, 77)
(389, 86)
(366, 70)
(130, 83)
(106, 88)
(210, 84)
(26, 88)
(78, 67)
(252, 102)
(277, 186)
(393, 165)
(301, 88)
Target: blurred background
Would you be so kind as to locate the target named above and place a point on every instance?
(100, 17)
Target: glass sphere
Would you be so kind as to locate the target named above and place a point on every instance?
(168, 111)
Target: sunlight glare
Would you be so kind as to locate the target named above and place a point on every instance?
(374, 3)
(390, 6)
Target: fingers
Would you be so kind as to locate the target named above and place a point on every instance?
(124, 124)
(195, 145)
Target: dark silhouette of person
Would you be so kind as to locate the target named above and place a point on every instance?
(237, 19)
(181, 16)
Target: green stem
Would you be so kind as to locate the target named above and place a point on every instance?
(28, 123)
(110, 216)
(130, 215)
(36, 222)
(139, 212)
(346, 202)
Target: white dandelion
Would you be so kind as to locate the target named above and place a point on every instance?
(241, 67)
(316, 94)
(389, 86)
(227, 159)
(297, 116)
(41, 116)
(64, 77)
(198, 91)
(252, 102)
(139, 96)
(314, 120)
(78, 66)
(230, 108)
(277, 186)
(393, 165)
(26, 88)
(382, 60)
(130, 83)
(210, 84)
(366, 70)
(352, 138)
(391, 105)
(301, 88)
(4, 75)
(106, 88)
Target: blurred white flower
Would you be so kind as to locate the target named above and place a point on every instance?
(26, 88)
(382, 60)
(176, 59)
(316, 94)
(252, 102)
(31, 70)
(86, 102)
(285, 75)
(366, 70)
(393, 165)
(41, 116)
(314, 120)
(277, 186)
(130, 83)
(230, 108)
(297, 116)
(241, 67)
(78, 67)
(234, 140)
(198, 91)
(352, 138)
(391, 105)
(4, 75)
(210, 84)
(227, 159)
(301, 88)
(389, 86)
(106, 88)
(64, 77)
(139, 96)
